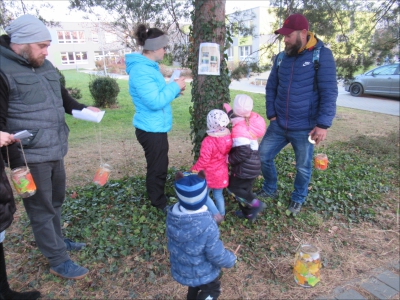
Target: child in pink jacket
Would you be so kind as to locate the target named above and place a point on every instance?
(247, 127)
(213, 153)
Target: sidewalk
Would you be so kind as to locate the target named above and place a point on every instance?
(382, 283)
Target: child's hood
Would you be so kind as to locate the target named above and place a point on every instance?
(188, 227)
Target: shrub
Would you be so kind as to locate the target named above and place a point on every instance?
(167, 60)
(104, 91)
(62, 79)
(74, 92)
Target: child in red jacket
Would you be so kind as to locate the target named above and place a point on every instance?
(213, 154)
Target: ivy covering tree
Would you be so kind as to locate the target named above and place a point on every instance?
(208, 91)
(359, 32)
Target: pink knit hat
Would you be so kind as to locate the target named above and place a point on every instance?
(242, 105)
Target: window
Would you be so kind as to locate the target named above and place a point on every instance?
(95, 36)
(71, 37)
(229, 53)
(385, 70)
(70, 58)
(110, 37)
(244, 51)
(246, 27)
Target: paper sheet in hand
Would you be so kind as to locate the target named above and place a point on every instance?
(88, 115)
(175, 75)
(22, 134)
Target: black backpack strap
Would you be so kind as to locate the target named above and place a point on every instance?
(316, 65)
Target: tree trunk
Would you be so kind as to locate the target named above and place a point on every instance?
(208, 91)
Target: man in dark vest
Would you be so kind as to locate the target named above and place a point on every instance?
(32, 98)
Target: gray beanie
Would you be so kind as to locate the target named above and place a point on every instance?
(28, 29)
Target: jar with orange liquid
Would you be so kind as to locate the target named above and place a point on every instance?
(23, 182)
(307, 265)
(102, 174)
(321, 161)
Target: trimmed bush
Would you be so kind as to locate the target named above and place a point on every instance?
(74, 92)
(104, 91)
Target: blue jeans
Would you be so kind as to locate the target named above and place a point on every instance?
(272, 143)
(219, 206)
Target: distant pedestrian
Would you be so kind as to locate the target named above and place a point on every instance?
(387, 60)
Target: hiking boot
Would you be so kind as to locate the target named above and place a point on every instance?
(263, 194)
(218, 218)
(72, 246)
(294, 208)
(256, 207)
(69, 270)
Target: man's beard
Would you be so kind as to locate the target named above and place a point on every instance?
(293, 50)
(26, 53)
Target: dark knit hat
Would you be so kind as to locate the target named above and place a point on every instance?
(191, 191)
(293, 23)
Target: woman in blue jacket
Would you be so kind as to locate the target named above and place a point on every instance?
(152, 98)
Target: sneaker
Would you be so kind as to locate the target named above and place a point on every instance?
(256, 207)
(69, 270)
(72, 246)
(263, 194)
(294, 208)
(218, 218)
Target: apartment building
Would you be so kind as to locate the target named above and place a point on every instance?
(80, 44)
(258, 47)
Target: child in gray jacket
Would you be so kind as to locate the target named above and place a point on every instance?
(196, 252)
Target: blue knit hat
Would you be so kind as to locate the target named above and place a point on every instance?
(191, 191)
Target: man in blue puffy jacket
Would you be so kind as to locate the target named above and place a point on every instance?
(301, 95)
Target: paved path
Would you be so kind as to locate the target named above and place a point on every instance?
(382, 283)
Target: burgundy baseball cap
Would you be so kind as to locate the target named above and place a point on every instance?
(292, 23)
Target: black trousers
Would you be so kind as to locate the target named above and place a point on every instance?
(243, 191)
(201, 292)
(155, 146)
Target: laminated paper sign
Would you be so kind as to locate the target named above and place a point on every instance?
(209, 59)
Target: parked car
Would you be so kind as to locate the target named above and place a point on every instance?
(382, 81)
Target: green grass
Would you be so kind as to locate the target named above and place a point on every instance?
(117, 121)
